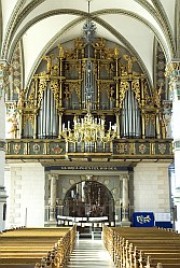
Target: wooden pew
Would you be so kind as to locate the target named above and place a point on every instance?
(142, 247)
(31, 247)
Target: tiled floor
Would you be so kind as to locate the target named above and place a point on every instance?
(90, 254)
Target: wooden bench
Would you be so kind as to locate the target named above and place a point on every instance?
(142, 247)
(32, 247)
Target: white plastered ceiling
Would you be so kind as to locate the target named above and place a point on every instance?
(41, 24)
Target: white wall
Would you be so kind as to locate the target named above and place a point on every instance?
(25, 188)
(2, 138)
(151, 187)
(2, 162)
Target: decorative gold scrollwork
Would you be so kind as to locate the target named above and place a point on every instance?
(124, 86)
(42, 87)
(54, 85)
(136, 89)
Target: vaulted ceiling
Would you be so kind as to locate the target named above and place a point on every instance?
(134, 24)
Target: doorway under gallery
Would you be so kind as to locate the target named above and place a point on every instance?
(77, 193)
(89, 199)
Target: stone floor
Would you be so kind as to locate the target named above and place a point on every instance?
(90, 254)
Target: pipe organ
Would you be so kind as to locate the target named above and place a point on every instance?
(120, 95)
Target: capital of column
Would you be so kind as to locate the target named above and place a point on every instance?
(53, 176)
(5, 71)
(173, 73)
(124, 176)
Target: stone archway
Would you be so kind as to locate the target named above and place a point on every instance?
(89, 199)
(66, 180)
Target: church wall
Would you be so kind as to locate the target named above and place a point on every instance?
(2, 137)
(2, 163)
(28, 193)
(151, 188)
(25, 190)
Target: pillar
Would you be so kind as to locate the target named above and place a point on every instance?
(173, 73)
(125, 201)
(4, 76)
(118, 125)
(53, 186)
(60, 125)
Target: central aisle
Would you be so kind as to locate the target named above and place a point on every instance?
(90, 254)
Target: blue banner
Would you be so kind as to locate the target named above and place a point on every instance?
(143, 219)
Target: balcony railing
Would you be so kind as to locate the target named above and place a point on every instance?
(59, 149)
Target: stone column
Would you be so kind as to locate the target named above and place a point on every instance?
(125, 201)
(53, 186)
(4, 78)
(173, 73)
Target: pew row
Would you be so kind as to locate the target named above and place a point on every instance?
(142, 247)
(36, 247)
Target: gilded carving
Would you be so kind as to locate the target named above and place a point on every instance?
(124, 86)
(172, 69)
(126, 148)
(143, 148)
(36, 148)
(130, 60)
(122, 148)
(48, 59)
(61, 51)
(148, 148)
(162, 148)
(150, 119)
(42, 87)
(56, 149)
(157, 96)
(111, 92)
(116, 52)
(16, 148)
(28, 119)
(55, 88)
(67, 92)
(64, 73)
(154, 100)
(75, 86)
(136, 89)
(21, 98)
(31, 101)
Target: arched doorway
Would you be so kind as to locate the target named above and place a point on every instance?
(89, 199)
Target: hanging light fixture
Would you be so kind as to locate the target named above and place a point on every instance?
(89, 128)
